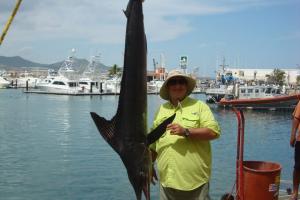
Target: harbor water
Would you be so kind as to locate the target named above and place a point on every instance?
(51, 149)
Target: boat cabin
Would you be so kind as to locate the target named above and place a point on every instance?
(249, 92)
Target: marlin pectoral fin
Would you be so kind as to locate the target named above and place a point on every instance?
(106, 129)
(159, 131)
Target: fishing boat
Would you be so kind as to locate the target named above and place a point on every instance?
(87, 85)
(260, 97)
(59, 85)
(4, 83)
(61, 82)
(112, 85)
(154, 86)
(26, 79)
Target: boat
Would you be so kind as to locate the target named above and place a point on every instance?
(88, 81)
(26, 79)
(87, 85)
(4, 83)
(214, 95)
(223, 86)
(112, 85)
(260, 97)
(59, 85)
(154, 86)
(61, 82)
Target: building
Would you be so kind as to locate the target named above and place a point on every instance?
(261, 74)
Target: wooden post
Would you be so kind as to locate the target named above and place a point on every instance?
(27, 85)
(101, 90)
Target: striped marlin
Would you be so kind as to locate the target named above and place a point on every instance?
(126, 132)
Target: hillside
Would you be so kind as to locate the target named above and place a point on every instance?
(16, 62)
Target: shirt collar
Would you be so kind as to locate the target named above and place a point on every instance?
(180, 104)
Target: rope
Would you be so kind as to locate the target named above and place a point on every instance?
(10, 20)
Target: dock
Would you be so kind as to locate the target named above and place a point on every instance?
(79, 93)
(70, 93)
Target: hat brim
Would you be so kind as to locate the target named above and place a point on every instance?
(191, 83)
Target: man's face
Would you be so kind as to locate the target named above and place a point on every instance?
(177, 88)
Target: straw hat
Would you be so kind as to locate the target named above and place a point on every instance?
(191, 83)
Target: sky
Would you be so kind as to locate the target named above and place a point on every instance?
(247, 33)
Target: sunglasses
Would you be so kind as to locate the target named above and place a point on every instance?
(175, 81)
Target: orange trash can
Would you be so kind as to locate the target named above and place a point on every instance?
(261, 180)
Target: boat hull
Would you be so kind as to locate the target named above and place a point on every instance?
(277, 102)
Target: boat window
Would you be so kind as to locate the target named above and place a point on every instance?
(243, 91)
(83, 83)
(58, 83)
(72, 84)
(268, 90)
(256, 90)
(250, 90)
(275, 91)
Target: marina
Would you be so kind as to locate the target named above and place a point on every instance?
(50, 148)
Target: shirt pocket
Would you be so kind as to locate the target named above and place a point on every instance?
(190, 121)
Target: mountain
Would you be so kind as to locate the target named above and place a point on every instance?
(17, 62)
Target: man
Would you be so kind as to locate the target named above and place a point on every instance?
(183, 153)
(295, 142)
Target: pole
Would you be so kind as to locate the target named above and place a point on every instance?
(240, 155)
(10, 21)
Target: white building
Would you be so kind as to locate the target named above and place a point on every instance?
(260, 74)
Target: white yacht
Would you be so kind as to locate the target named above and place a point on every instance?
(4, 83)
(59, 85)
(62, 82)
(87, 85)
(112, 85)
(24, 79)
(154, 86)
(42, 82)
(88, 82)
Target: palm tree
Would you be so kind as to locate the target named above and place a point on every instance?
(277, 77)
(115, 70)
(298, 80)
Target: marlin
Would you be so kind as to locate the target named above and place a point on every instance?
(126, 132)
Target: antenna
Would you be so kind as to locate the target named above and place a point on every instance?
(154, 64)
(223, 65)
(162, 60)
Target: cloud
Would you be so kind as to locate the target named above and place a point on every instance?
(104, 21)
(290, 36)
(43, 30)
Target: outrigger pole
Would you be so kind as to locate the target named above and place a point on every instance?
(10, 20)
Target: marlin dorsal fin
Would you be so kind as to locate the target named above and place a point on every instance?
(159, 131)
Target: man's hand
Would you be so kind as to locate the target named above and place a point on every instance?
(293, 140)
(175, 129)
